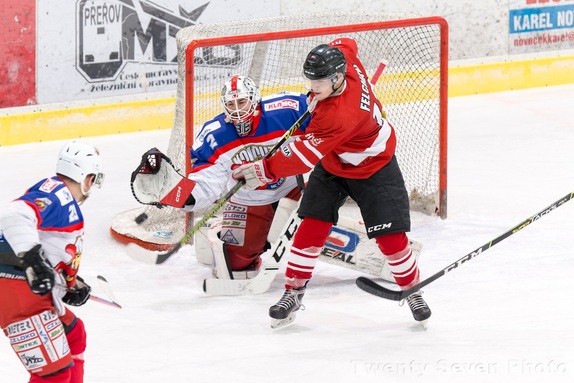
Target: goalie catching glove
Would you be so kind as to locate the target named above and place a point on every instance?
(157, 182)
(254, 173)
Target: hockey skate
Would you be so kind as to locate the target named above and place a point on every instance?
(283, 312)
(419, 308)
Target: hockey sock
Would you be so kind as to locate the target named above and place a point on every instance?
(400, 259)
(63, 376)
(76, 335)
(307, 244)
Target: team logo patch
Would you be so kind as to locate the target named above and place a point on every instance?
(42, 203)
(32, 359)
(234, 216)
(49, 185)
(282, 104)
(277, 184)
(313, 140)
(286, 150)
(64, 196)
(232, 207)
(228, 237)
(233, 224)
(250, 153)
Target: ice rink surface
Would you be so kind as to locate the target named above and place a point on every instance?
(506, 316)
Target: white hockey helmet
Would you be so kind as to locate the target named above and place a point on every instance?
(77, 160)
(240, 98)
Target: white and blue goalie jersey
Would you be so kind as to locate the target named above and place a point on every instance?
(218, 146)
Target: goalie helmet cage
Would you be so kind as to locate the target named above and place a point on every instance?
(412, 89)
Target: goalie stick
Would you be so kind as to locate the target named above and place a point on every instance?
(374, 288)
(147, 256)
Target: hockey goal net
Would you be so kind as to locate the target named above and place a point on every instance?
(412, 88)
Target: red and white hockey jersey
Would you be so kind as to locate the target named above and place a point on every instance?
(347, 132)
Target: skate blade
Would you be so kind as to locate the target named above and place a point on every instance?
(423, 324)
(281, 323)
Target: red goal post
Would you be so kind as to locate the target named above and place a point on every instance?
(412, 88)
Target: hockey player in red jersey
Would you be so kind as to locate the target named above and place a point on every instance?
(247, 129)
(40, 252)
(351, 148)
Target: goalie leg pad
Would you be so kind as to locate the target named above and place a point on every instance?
(221, 267)
(203, 247)
(282, 214)
(220, 256)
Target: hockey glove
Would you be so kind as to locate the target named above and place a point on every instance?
(40, 274)
(156, 182)
(79, 294)
(254, 173)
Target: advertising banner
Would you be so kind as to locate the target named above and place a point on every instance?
(540, 25)
(18, 53)
(101, 48)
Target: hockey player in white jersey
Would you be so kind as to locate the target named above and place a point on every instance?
(246, 130)
(40, 252)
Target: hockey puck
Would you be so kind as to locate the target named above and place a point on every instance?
(140, 218)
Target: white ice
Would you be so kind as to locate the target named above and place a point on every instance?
(505, 316)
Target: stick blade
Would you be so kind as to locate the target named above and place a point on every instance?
(374, 288)
(142, 255)
(254, 286)
(105, 285)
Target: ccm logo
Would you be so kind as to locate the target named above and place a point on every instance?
(379, 227)
(178, 194)
(282, 104)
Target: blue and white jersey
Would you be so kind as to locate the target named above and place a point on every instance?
(218, 146)
(47, 214)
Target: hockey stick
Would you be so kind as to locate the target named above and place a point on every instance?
(108, 291)
(379, 71)
(147, 256)
(105, 285)
(374, 288)
(104, 301)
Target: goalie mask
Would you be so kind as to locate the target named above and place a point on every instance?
(77, 160)
(240, 98)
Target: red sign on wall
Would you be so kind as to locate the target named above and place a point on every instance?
(18, 53)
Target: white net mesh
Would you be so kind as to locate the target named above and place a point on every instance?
(271, 51)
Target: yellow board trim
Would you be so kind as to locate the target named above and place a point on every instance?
(512, 75)
(87, 121)
(38, 126)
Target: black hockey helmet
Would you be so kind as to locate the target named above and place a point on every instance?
(324, 61)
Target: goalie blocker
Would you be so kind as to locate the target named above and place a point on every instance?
(347, 246)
